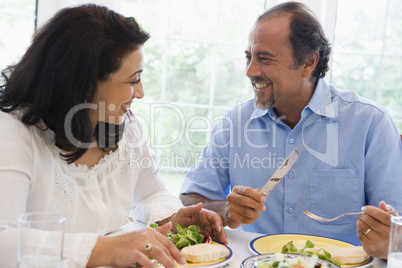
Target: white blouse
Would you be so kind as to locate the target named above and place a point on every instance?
(95, 201)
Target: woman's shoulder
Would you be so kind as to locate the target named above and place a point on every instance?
(11, 122)
(13, 127)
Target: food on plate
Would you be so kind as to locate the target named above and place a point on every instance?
(350, 255)
(279, 261)
(205, 252)
(331, 253)
(306, 250)
(186, 236)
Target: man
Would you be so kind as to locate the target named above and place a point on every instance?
(350, 151)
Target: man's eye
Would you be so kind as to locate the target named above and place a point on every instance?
(265, 59)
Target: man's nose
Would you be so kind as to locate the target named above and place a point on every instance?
(253, 68)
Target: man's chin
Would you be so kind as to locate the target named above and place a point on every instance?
(261, 104)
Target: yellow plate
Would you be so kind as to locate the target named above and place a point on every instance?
(274, 243)
(219, 263)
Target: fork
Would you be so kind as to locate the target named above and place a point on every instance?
(319, 218)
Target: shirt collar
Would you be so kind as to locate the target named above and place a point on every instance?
(320, 103)
(258, 113)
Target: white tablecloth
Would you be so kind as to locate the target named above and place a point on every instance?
(239, 243)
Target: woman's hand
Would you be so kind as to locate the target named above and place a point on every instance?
(373, 229)
(209, 221)
(126, 249)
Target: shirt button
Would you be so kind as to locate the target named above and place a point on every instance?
(291, 175)
(290, 210)
(102, 226)
(291, 141)
(92, 176)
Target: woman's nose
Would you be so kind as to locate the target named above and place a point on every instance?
(138, 91)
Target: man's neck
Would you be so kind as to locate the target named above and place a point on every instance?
(289, 119)
(290, 115)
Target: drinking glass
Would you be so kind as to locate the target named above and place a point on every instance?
(40, 240)
(395, 243)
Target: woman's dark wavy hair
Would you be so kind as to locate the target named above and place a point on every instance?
(74, 50)
(306, 34)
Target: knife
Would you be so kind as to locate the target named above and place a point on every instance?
(280, 172)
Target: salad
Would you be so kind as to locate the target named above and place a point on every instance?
(279, 261)
(185, 236)
(320, 253)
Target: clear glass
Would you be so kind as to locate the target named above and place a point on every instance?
(395, 243)
(40, 240)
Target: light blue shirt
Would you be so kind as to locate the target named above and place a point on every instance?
(350, 156)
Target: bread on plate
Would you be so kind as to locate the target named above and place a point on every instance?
(205, 252)
(350, 255)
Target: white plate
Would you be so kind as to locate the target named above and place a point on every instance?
(214, 264)
(253, 261)
(274, 243)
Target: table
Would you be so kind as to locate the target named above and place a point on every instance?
(239, 243)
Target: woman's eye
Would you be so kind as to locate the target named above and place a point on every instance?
(135, 82)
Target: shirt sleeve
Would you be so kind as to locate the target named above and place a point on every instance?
(383, 163)
(209, 176)
(17, 177)
(152, 201)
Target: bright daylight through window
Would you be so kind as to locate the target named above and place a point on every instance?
(195, 66)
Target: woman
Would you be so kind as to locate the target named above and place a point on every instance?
(71, 145)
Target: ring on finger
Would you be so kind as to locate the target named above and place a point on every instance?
(368, 231)
(148, 247)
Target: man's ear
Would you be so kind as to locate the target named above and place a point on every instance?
(310, 64)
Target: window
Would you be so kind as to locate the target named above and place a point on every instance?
(195, 65)
(17, 24)
(367, 52)
(195, 60)
(194, 73)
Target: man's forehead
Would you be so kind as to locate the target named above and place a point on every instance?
(271, 30)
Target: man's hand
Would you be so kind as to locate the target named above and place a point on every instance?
(243, 206)
(373, 229)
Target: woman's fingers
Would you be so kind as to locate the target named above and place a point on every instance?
(159, 247)
(143, 260)
(164, 229)
(165, 255)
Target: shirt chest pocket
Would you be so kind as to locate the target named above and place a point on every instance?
(335, 191)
